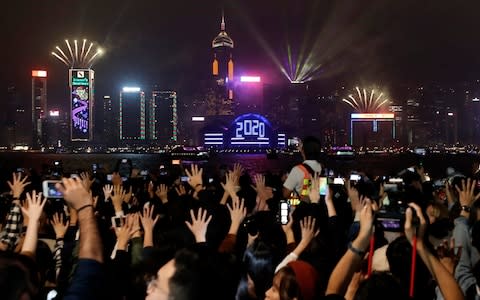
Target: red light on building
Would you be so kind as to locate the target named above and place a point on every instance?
(39, 73)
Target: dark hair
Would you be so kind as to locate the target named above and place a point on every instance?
(199, 274)
(259, 264)
(311, 148)
(18, 276)
(380, 285)
(289, 287)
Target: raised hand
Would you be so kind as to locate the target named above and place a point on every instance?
(237, 171)
(447, 256)
(17, 185)
(467, 192)
(162, 192)
(128, 195)
(307, 226)
(181, 191)
(238, 212)
(107, 191)
(199, 224)
(410, 229)
(117, 197)
(195, 177)
(74, 192)
(125, 233)
(148, 223)
(353, 196)
(230, 185)
(150, 189)
(86, 181)
(35, 206)
(116, 179)
(263, 193)
(59, 226)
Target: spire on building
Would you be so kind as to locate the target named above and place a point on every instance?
(222, 25)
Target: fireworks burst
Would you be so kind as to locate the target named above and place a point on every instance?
(366, 102)
(78, 57)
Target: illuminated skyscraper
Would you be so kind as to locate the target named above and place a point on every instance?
(222, 64)
(39, 105)
(132, 114)
(163, 118)
(109, 122)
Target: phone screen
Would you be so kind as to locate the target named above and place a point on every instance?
(284, 212)
(184, 178)
(323, 186)
(49, 189)
(355, 177)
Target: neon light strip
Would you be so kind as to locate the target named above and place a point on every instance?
(213, 134)
(213, 143)
(263, 139)
(237, 138)
(250, 79)
(250, 143)
(213, 139)
(372, 116)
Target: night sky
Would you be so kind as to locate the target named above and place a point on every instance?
(168, 43)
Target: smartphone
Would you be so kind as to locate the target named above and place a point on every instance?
(355, 177)
(175, 161)
(94, 168)
(284, 211)
(411, 169)
(323, 186)
(49, 189)
(390, 224)
(395, 180)
(210, 180)
(339, 181)
(109, 177)
(118, 221)
(390, 187)
(184, 178)
(20, 170)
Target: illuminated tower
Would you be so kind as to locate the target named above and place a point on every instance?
(222, 64)
(132, 115)
(39, 105)
(163, 117)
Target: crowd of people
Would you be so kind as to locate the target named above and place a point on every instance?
(235, 235)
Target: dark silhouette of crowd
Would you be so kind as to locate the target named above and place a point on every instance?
(177, 233)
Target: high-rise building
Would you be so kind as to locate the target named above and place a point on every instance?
(39, 105)
(132, 115)
(55, 131)
(109, 122)
(249, 95)
(82, 103)
(222, 64)
(163, 117)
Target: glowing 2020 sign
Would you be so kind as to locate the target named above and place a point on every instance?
(250, 130)
(81, 89)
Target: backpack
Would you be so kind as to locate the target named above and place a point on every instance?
(308, 174)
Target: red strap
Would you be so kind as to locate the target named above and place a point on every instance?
(305, 172)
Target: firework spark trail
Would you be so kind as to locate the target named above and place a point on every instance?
(365, 104)
(78, 57)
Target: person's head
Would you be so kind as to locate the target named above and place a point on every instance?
(194, 273)
(380, 285)
(18, 277)
(298, 280)
(311, 148)
(259, 262)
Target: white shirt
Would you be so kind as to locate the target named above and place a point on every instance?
(295, 177)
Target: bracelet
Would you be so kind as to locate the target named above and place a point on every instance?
(355, 250)
(83, 207)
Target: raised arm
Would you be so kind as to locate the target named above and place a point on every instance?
(446, 282)
(199, 225)
(33, 211)
(78, 197)
(352, 259)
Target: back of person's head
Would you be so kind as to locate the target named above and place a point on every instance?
(199, 274)
(380, 285)
(299, 280)
(259, 265)
(399, 256)
(311, 148)
(18, 277)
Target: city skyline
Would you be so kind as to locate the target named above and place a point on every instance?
(150, 43)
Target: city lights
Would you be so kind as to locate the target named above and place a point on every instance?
(198, 119)
(129, 89)
(250, 79)
(39, 73)
(372, 116)
(54, 113)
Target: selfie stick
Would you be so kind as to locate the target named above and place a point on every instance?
(370, 252)
(414, 260)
